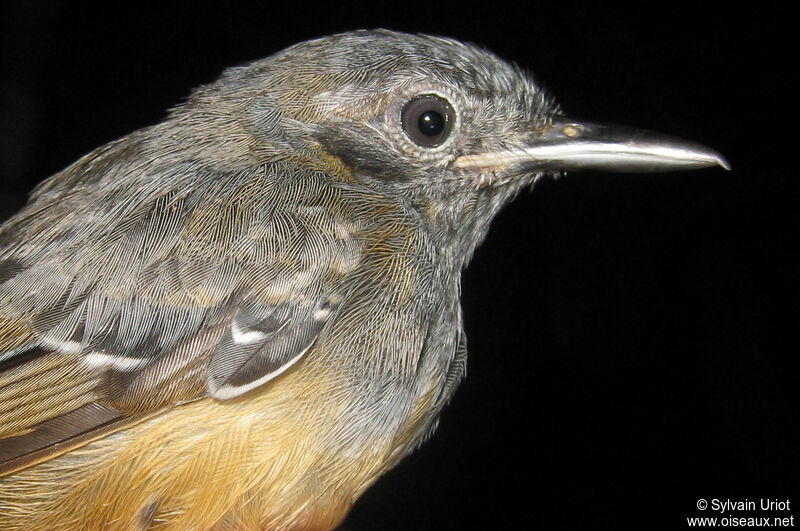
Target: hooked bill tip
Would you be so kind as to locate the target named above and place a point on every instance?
(722, 161)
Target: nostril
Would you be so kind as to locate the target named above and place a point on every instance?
(572, 130)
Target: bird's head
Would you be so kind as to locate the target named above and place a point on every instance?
(447, 126)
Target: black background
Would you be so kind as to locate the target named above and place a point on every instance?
(631, 336)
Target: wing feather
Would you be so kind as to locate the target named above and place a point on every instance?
(125, 299)
(262, 342)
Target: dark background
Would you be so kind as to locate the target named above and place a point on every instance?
(632, 337)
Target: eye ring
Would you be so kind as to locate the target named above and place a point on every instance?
(428, 120)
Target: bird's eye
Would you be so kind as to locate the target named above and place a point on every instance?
(428, 120)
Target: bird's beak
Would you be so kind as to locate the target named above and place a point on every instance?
(573, 145)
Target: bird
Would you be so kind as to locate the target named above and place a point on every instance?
(244, 315)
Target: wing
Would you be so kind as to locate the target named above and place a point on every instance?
(111, 310)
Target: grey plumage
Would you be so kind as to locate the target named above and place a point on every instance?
(278, 225)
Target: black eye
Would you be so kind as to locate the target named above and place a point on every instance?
(428, 120)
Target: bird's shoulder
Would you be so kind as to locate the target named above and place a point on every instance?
(112, 310)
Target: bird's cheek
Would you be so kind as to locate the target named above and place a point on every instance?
(364, 152)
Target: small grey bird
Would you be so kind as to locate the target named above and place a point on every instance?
(239, 318)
